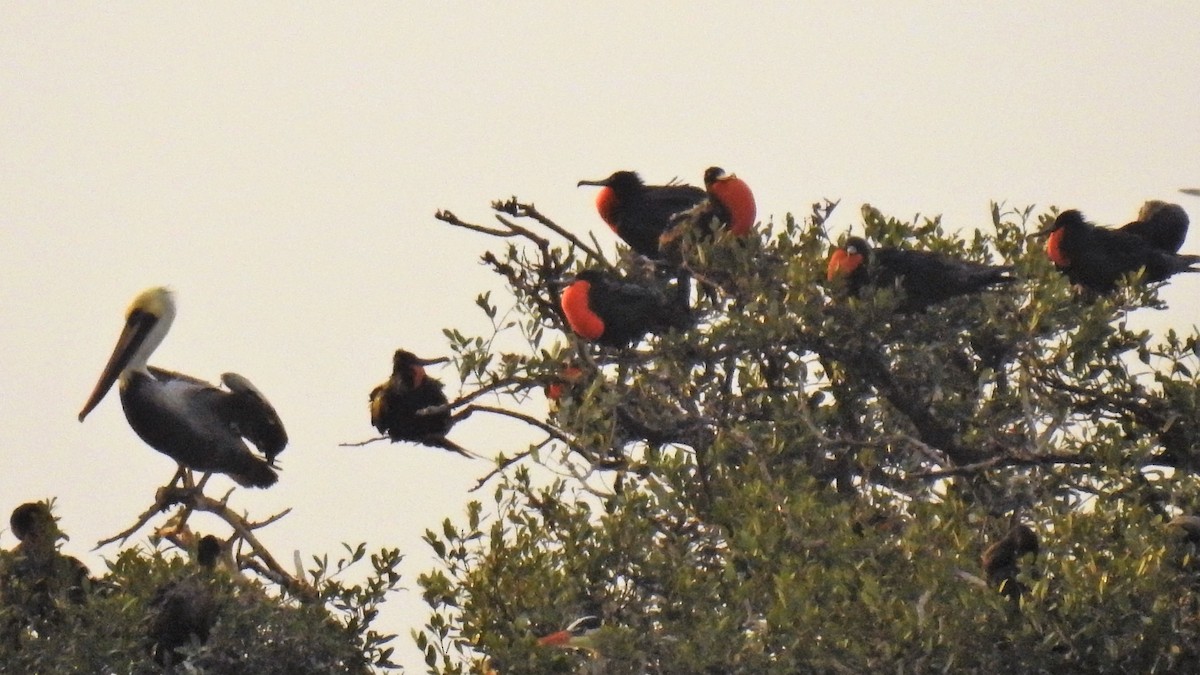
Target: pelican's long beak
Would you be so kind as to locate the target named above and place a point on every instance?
(433, 362)
(597, 183)
(138, 325)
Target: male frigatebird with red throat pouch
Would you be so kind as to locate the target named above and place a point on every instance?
(410, 405)
(640, 213)
(729, 202)
(614, 312)
(579, 634)
(1097, 257)
(925, 277)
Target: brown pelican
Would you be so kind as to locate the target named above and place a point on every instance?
(196, 424)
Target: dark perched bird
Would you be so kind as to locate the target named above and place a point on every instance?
(395, 404)
(1164, 226)
(613, 312)
(36, 580)
(186, 608)
(1096, 258)
(640, 213)
(729, 202)
(1188, 527)
(198, 425)
(1001, 560)
(579, 634)
(925, 277)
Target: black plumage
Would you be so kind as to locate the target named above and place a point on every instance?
(1001, 560)
(1162, 225)
(1096, 258)
(396, 404)
(36, 580)
(184, 610)
(925, 277)
(615, 312)
(640, 213)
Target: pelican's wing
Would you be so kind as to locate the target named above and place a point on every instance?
(253, 416)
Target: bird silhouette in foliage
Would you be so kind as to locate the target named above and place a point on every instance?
(1188, 527)
(925, 277)
(640, 213)
(184, 610)
(1097, 257)
(579, 634)
(729, 203)
(1001, 561)
(614, 312)
(36, 579)
(410, 405)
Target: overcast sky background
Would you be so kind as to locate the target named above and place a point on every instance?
(279, 165)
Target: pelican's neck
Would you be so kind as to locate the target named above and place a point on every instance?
(162, 315)
(141, 356)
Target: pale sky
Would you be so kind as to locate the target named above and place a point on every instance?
(279, 165)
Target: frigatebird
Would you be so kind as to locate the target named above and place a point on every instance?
(925, 277)
(640, 213)
(186, 608)
(1097, 257)
(410, 405)
(1163, 225)
(578, 634)
(1001, 560)
(729, 203)
(614, 312)
(36, 579)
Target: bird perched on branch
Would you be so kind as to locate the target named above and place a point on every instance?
(614, 312)
(640, 213)
(410, 405)
(729, 203)
(1163, 225)
(1096, 257)
(185, 609)
(579, 634)
(1188, 527)
(925, 277)
(198, 425)
(36, 579)
(1001, 560)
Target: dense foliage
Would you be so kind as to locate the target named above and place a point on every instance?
(261, 623)
(805, 482)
